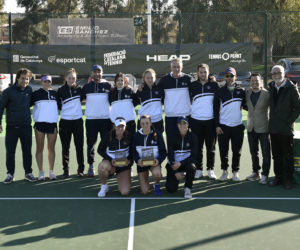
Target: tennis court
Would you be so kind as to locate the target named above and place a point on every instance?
(66, 213)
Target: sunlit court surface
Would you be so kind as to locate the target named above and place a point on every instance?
(67, 214)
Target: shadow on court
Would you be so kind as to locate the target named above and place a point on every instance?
(32, 221)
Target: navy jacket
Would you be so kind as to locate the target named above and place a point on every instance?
(183, 149)
(140, 141)
(17, 104)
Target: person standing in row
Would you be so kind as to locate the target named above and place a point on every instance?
(71, 121)
(45, 115)
(95, 94)
(16, 101)
(176, 96)
(123, 100)
(116, 143)
(258, 101)
(284, 110)
(147, 138)
(228, 103)
(182, 151)
(202, 119)
(151, 98)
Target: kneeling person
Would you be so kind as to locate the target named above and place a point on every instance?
(149, 151)
(115, 151)
(182, 151)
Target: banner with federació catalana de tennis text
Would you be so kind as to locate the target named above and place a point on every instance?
(56, 59)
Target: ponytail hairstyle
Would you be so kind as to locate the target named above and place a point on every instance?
(152, 127)
(71, 70)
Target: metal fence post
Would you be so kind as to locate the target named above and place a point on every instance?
(266, 49)
(93, 40)
(179, 35)
(10, 50)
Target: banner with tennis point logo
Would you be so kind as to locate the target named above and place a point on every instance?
(134, 59)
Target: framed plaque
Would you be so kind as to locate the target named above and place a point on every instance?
(148, 156)
(120, 158)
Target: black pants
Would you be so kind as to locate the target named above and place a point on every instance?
(283, 155)
(236, 135)
(93, 127)
(11, 140)
(172, 182)
(131, 128)
(206, 132)
(66, 129)
(254, 139)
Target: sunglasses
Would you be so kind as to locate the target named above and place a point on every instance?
(231, 76)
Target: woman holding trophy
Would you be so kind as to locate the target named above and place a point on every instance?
(116, 153)
(148, 151)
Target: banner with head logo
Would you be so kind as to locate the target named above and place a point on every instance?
(56, 59)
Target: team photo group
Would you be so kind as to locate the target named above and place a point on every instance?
(190, 112)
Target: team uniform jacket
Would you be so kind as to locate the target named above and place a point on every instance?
(17, 104)
(228, 105)
(151, 102)
(96, 96)
(122, 104)
(107, 149)
(183, 149)
(141, 141)
(202, 97)
(45, 106)
(69, 102)
(176, 95)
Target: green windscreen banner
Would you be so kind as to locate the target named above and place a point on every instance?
(134, 59)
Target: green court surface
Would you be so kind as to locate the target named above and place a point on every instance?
(66, 214)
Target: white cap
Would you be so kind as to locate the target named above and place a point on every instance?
(120, 121)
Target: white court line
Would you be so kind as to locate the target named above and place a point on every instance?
(131, 225)
(149, 198)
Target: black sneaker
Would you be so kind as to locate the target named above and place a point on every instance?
(9, 179)
(30, 177)
(66, 174)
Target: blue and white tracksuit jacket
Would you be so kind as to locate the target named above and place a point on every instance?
(45, 107)
(122, 104)
(228, 106)
(140, 141)
(176, 95)
(202, 97)
(96, 96)
(151, 102)
(69, 102)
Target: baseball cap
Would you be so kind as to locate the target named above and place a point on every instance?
(120, 121)
(182, 118)
(96, 66)
(230, 70)
(46, 78)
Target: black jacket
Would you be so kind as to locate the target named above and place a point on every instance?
(284, 108)
(141, 140)
(108, 147)
(184, 148)
(17, 104)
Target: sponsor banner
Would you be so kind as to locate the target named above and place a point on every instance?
(90, 31)
(126, 58)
